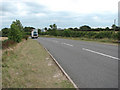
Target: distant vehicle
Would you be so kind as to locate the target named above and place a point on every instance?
(34, 33)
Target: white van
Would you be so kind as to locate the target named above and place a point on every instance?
(34, 33)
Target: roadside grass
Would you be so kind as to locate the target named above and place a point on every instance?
(8, 43)
(104, 40)
(28, 65)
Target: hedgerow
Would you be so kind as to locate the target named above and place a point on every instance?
(85, 34)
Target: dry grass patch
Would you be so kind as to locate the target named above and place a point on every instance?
(30, 66)
(3, 38)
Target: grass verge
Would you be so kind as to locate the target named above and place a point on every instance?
(28, 65)
(105, 40)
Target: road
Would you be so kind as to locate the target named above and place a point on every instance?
(89, 64)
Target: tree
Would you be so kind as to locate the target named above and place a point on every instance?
(46, 28)
(53, 27)
(107, 29)
(67, 33)
(75, 29)
(28, 29)
(5, 32)
(39, 31)
(113, 26)
(85, 27)
(0, 33)
(53, 30)
(71, 28)
(16, 31)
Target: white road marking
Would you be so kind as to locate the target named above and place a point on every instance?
(100, 53)
(55, 41)
(51, 40)
(67, 44)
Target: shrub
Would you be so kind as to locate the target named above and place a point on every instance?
(67, 33)
(118, 36)
(7, 43)
(86, 34)
(5, 32)
(25, 37)
(16, 33)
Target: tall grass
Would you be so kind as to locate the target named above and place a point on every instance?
(8, 43)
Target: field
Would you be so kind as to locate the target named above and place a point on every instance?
(3, 38)
(28, 65)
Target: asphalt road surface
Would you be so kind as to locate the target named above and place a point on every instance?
(89, 64)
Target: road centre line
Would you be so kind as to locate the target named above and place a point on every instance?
(100, 53)
(67, 44)
(55, 41)
(51, 40)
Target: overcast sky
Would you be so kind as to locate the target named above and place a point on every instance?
(64, 13)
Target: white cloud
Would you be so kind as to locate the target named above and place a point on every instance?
(63, 12)
(75, 6)
(81, 6)
(96, 18)
(21, 9)
(40, 14)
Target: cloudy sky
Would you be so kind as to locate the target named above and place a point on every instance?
(64, 13)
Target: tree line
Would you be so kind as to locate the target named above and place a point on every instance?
(83, 31)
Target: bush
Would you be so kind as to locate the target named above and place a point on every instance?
(7, 43)
(44, 33)
(67, 33)
(86, 34)
(16, 33)
(25, 37)
(5, 32)
(118, 36)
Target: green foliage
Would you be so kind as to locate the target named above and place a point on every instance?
(113, 26)
(118, 35)
(5, 32)
(0, 33)
(53, 30)
(39, 31)
(25, 37)
(53, 27)
(67, 33)
(28, 29)
(44, 33)
(46, 28)
(85, 27)
(85, 34)
(16, 31)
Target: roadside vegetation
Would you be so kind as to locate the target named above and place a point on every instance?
(85, 33)
(14, 34)
(28, 65)
(25, 63)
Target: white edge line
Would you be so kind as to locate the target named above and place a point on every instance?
(63, 70)
(101, 53)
